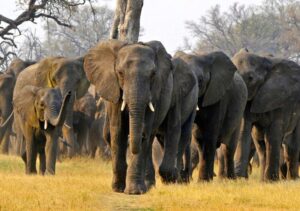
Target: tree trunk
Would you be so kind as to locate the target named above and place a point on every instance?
(126, 26)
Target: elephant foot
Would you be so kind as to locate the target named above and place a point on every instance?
(271, 176)
(31, 172)
(118, 187)
(150, 184)
(134, 188)
(205, 177)
(168, 175)
(50, 172)
(239, 173)
(184, 177)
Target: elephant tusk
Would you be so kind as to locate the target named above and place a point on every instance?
(123, 105)
(151, 107)
(197, 108)
(68, 126)
(45, 124)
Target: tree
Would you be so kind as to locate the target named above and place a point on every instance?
(126, 25)
(31, 47)
(272, 28)
(87, 30)
(57, 10)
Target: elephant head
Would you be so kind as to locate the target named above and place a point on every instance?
(17, 65)
(129, 74)
(41, 107)
(252, 68)
(271, 82)
(67, 74)
(214, 72)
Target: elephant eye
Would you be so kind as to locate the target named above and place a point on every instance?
(42, 104)
(153, 73)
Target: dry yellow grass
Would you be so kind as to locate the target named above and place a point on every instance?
(84, 184)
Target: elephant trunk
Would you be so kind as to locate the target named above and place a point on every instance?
(59, 118)
(136, 119)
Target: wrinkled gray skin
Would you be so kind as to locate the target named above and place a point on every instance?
(272, 113)
(40, 113)
(65, 74)
(84, 115)
(136, 74)
(7, 83)
(221, 100)
(175, 132)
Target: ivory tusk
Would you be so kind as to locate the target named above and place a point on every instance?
(45, 124)
(151, 107)
(68, 126)
(197, 108)
(123, 105)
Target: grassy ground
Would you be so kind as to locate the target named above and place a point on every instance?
(84, 184)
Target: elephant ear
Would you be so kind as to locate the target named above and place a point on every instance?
(99, 66)
(184, 78)
(24, 105)
(221, 76)
(163, 59)
(281, 87)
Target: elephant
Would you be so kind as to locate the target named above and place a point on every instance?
(222, 99)
(40, 113)
(271, 114)
(65, 74)
(84, 115)
(7, 83)
(136, 81)
(96, 138)
(175, 132)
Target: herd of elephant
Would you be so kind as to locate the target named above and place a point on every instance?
(223, 105)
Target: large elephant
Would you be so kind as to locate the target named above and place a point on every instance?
(40, 113)
(175, 132)
(137, 82)
(7, 83)
(65, 74)
(272, 113)
(221, 101)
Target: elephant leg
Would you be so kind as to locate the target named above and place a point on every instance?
(292, 154)
(42, 157)
(261, 152)
(209, 144)
(81, 139)
(168, 168)
(51, 151)
(186, 173)
(252, 158)
(31, 154)
(194, 155)
(135, 178)
(118, 141)
(221, 151)
(5, 142)
(229, 154)
(150, 171)
(241, 157)
(184, 148)
(273, 138)
(68, 134)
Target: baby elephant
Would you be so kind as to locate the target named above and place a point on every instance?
(40, 113)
